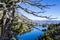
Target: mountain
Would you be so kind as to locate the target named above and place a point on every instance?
(48, 21)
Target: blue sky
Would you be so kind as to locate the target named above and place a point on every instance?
(53, 10)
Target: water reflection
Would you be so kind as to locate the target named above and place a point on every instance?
(32, 35)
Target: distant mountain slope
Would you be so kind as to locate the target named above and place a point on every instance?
(48, 21)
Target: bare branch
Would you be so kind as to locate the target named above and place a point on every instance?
(40, 5)
(33, 13)
(35, 1)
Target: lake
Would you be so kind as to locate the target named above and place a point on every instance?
(33, 34)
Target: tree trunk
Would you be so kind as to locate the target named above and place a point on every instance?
(7, 23)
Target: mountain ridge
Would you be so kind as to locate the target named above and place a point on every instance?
(48, 21)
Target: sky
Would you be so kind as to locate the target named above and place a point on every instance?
(53, 11)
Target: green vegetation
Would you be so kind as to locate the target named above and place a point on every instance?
(53, 32)
(10, 23)
(17, 27)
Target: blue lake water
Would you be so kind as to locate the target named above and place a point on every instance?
(33, 34)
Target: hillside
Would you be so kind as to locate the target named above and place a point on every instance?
(21, 23)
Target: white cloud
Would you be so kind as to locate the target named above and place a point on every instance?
(37, 18)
